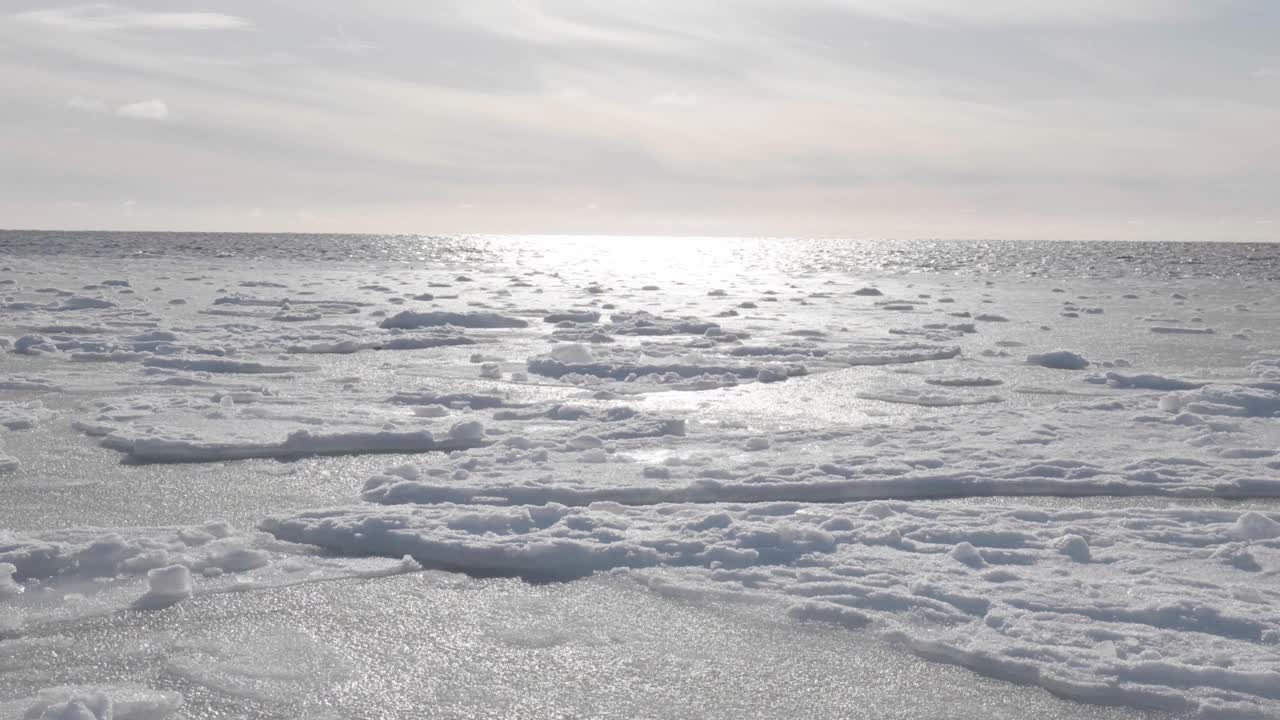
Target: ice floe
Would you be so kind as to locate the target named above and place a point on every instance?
(412, 320)
(1059, 360)
(1046, 597)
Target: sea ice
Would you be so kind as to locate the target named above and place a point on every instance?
(999, 590)
(410, 320)
(1059, 360)
(911, 479)
(116, 702)
(166, 586)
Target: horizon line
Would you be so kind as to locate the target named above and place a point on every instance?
(672, 236)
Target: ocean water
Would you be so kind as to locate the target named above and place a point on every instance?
(357, 476)
(1170, 261)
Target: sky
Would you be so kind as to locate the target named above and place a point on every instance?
(1037, 119)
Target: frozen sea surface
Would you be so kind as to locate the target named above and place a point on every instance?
(395, 477)
(433, 645)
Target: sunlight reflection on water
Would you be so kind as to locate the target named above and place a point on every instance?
(694, 256)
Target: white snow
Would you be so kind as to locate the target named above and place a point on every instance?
(161, 448)
(22, 416)
(572, 353)
(913, 396)
(115, 702)
(8, 586)
(410, 319)
(1221, 399)
(1255, 526)
(8, 463)
(219, 365)
(1017, 593)
(166, 586)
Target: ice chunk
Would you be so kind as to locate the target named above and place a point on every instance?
(468, 432)
(8, 463)
(1174, 330)
(124, 702)
(431, 411)
(895, 355)
(585, 442)
(8, 586)
(1255, 526)
(1059, 360)
(1074, 547)
(911, 396)
(966, 553)
(161, 448)
(222, 365)
(79, 302)
(1220, 399)
(1150, 382)
(573, 316)
(166, 586)
(410, 319)
(572, 353)
(964, 381)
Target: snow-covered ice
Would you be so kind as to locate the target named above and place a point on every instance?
(271, 497)
(1144, 607)
(1059, 359)
(102, 703)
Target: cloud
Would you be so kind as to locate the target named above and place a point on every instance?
(141, 110)
(344, 43)
(677, 99)
(778, 116)
(102, 17)
(274, 58)
(1026, 12)
(145, 110)
(86, 104)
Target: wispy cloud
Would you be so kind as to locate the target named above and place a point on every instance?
(103, 17)
(145, 110)
(141, 110)
(345, 43)
(677, 99)
(274, 58)
(1027, 12)
(86, 104)
(759, 116)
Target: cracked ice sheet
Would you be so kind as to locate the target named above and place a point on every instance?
(60, 575)
(1168, 609)
(232, 425)
(469, 648)
(1123, 445)
(1027, 442)
(55, 581)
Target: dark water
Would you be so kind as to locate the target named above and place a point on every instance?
(1241, 261)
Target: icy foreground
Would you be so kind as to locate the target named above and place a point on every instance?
(1066, 485)
(1144, 607)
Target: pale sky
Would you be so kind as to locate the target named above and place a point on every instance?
(1073, 119)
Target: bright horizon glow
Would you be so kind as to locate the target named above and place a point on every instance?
(1005, 119)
